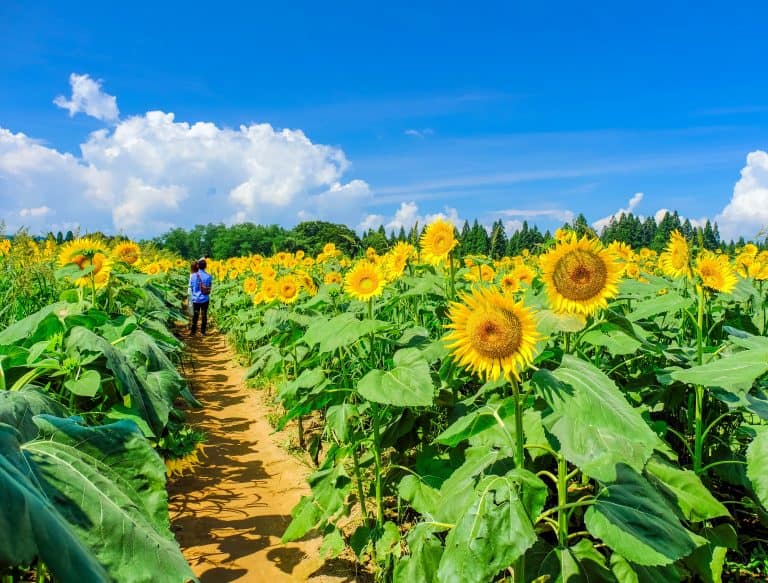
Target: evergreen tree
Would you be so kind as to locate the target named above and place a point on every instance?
(498, 241)
(401, 236)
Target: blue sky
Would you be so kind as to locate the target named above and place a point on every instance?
(489, 110)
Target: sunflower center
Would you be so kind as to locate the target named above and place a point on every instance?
(367, 284)
(580, 275)
(495, 334)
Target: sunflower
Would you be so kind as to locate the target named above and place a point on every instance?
(100, 273)
(364, 281)
(5, 247)
(676, 259)
(332, 277)
(330, 250)
(288, 289)
(492, 334)
(250, 285)
(580, 275)
(269, 290)
(153, 268)
(524, 274)
(438, 241)
(622, 250)
(715, 272)
(483, 272)
(509, 283)
(127, 252)
(632, 270)
(80, 251)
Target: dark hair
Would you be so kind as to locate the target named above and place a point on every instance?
(202, 264)
(193, 267)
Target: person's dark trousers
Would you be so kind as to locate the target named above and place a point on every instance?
(198, 309)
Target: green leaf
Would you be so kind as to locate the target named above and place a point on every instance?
(423, 560)
(457, 491)
(342, 330)
(387, 542)
(632, 518)
(684, 489)
(668, 304)
(580, 562)
(39, 326)
(708, 560)
(333, 544)
(422, 497)
(757, 465)
(87, 385)
(102, 507)
(17, 409)
(595, 425)
(38, 528)
(408, 384)
(617, 342)
(627, 572)
(491, 535)
(481, 419)
(737, 372)
(338, 418)
(548, 322)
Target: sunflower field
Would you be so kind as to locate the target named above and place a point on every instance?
(88, 424)
(580, 412)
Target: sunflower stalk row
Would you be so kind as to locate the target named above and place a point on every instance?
(578, 411)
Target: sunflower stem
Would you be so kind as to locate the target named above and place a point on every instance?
(451, 276)
(562, 501)
(377, 462)
(520, 463)
(360, 491)
(698, 437)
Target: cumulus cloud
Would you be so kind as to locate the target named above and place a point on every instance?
(150, 172)
(88, 98)
(600, 224)
(747, 212)
(406, 216)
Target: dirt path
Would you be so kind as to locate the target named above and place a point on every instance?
(229, 515)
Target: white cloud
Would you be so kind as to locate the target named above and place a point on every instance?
(150, 172)
(659, 216)
(38, 211)
(419, 133)
(747, 212)
(563, 215)
(512, 226)
(88, 98)
(600, 224)
(406, 216)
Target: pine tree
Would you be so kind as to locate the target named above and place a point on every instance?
(498, 242)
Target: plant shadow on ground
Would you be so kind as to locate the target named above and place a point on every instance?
(218, 505)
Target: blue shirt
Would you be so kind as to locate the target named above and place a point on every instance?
(198, 297)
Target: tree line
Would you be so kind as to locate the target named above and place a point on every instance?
(220, 241)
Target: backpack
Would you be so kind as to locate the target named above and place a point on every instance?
(204, 289)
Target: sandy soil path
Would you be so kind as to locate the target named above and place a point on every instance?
(229, 515)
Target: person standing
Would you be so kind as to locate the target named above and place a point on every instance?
(200, 283)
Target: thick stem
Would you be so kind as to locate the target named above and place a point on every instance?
(698, 428)
(41, 572)
(377, 462)
(562, 501)
(520, 463)
(451, 276)
(359, 480)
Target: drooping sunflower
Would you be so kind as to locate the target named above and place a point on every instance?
(288, 289)
(364, 281)
(675, 261)
(100, 273)
(438, 241)
(128, 252)
(715, 272)
(622, 250)
(492, 335)
(580, 275)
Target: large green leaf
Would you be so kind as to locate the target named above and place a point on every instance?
(669, 303)
(685, 490)
(407, 384)
(421, 496)
(342, 330)
(736, 372)
(627, 572)
(17, 408)
(490, 536)
(580, 562)
(86, 385)
(123, 448)
(101, 506)
(632, 518)
(477, 421)
(757, 465)
(596, 426)
(615, 340)
(708, 560)
(38, 530)
(41, 325)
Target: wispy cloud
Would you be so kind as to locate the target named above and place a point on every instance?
(422, 133)
(734, 110)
